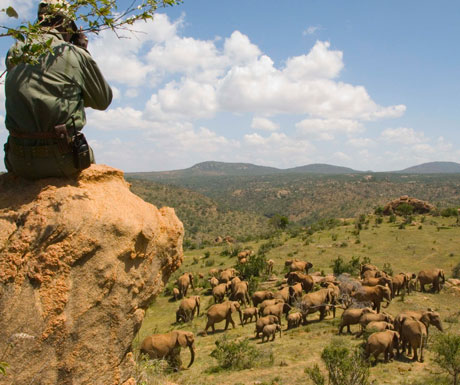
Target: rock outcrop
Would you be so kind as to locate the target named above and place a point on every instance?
(80, 261)
(419, 206)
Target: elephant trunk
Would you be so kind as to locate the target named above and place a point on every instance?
(388, 304)
(197, 310)
(241, 316)
(192, 355)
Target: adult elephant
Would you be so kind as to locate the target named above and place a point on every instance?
(400, 281)
(277, 310)
(187, 308)
(241, 293)
(183, 283)
(427, 317)
(227, 275)
(305, 280)
(382, 342)
(384, 281)
(414, 334)
(316, 301)
(167, 346)
(261, 296)
(367, 267)
(433, 276)
(219, 291)
(296, 265)
(373, 294)
(263, 321)
(295, 293)
(351, 316)
(222, 311)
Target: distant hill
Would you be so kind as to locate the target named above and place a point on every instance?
(320, 168)
(433, 168)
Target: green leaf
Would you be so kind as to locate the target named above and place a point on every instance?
(11, 12)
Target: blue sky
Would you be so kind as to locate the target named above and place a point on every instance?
(364, 84)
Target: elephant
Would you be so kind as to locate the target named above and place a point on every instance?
(219, 291)
(367, 267)
(400, 281)
(187, 308)
(373, 294)
(249, 313)
(427, 317)
(379, 326)
(223, 311)
(370, 317)
(294, 320)
(304, 279)
(260, 296)
(183, 282)
(245, 254)
(214, 272)
(270, 331)
(295, 292)
(233, 282)
(269, 302)
(270, 265)
(277, 310)
(283, 294)
(379, 281)
(227, 275)
(352, 316)
(316, 301)
(214, 282)
(168, 345)
(337, 293)
(413, 333)
(263, 321)
(176, 293)
(241, 293)
(296, 265)
(382, 342)
(433, 277)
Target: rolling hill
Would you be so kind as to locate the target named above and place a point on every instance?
(433, 168)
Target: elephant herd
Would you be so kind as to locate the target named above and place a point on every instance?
(303, 294)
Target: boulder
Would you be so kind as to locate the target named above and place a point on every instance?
(80, 261)
(419, 206)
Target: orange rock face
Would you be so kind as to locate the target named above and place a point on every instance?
(80, 261)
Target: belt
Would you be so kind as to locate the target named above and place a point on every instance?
(34, 135)
(48, 151)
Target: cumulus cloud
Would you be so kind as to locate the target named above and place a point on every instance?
(361, 142)
(326, 129)
(259, 123)
(403, 135)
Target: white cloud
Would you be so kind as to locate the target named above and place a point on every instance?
(361, 142)
(240, 50)
(325, 129)
(403, 135)
(259, 123)
(311, 30)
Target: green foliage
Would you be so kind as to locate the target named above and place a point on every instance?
(339, 266)
(254, 267)
(378, 210)
(344, 366)
(267, 246)
(392, 218)
(3, 367)
(387, 268)
(456, 271)
(238, 355)
(449, 212)
(150, 372)
(279, 222)
(404, 209)
(447, 351)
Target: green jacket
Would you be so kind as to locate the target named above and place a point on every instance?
(41, 96)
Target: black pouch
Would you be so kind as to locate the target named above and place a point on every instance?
(81, 151)
(63, 138)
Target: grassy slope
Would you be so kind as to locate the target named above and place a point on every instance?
(410, 249)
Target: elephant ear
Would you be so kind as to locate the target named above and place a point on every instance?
(184, 338)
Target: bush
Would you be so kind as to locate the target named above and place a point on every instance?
(456, 271)
(344, 366)
(387, 268)
(151, 372)
(404, 209)
(254, 267)
(447, 351)
(238, 355)
(339, 266)
(449, 212)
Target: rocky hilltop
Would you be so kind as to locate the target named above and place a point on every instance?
(80, 261)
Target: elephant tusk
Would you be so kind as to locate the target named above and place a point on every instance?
(192, 355)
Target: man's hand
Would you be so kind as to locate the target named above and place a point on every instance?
(79, 39)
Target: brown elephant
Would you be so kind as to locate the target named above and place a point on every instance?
(382, 342)
(277, 310)
(270, 331)
(427, 317)
(223, 311)
(283, 294)
(296, 265)
(227, 275)
(214, 282)
(373, 294)
(351, 316)
(233, 282)
(304, 279)
(294, 320)
(433, 276)
(263, 321)
(260, 296)
(219, 291)
(379, 326)
(384, 281)
(367, 267)
(187, 308)
(167, 346)
(371, 317)
(316, 301)
(295, 293)
(249, 313)
(414, 334)
(269, 267)
(183, 282)
(269, 302)
(400, 281)
(214, 272)
(241, 293)
(176, 293)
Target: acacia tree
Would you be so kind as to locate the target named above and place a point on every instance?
(92, 16)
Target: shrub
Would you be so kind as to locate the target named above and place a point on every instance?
(238, 355)
(447, 355)
(378, 210)
(404, 209)
(150, 372)
(449, 212)
(209, 262)
(254, 267)
(207, 254)
(456, 271)
(339, 266)
(387, 268)
(392, 218)
(344, 366)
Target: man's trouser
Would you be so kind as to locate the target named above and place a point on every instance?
(35, 162)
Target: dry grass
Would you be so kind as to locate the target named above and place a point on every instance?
(410, 249)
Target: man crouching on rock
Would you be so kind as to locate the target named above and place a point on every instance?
(45, 102)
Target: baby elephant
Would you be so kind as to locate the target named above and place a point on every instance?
(382, 342)
(294, 320)
(270, 331)
(249, 313)
(379, 326)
